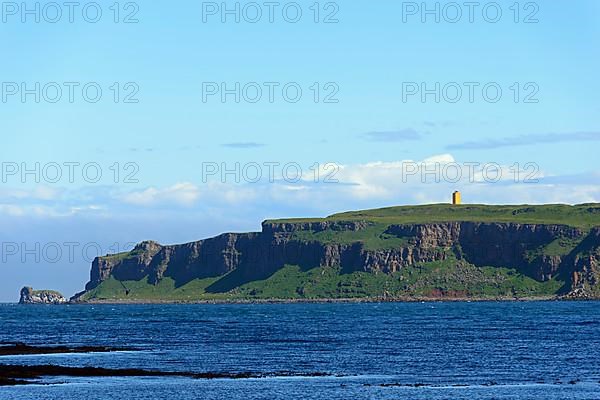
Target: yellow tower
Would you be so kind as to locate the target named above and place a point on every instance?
(456, 200)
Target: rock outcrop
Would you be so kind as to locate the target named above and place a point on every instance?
(258, 255)
(30, 296)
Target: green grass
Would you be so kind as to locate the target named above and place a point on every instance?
(373, 237)
(583, 215)
(558, 247)
(112, 289)
(118, 257)
(450, 278)
(122, 256)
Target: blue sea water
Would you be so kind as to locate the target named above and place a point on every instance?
(533, 350)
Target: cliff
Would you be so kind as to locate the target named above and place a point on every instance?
(361, 257)
(30, 296)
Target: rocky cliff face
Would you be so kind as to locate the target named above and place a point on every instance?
(30, 296)
(258, 255)
(585, 270)
(499, 245)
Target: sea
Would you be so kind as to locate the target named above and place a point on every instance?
(454, 350)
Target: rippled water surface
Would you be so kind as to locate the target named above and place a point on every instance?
(540, 350)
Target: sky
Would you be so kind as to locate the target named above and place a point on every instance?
(123, 122)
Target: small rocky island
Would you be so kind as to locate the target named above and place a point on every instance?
(30, 296)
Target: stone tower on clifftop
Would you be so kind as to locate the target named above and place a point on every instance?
(456, 199)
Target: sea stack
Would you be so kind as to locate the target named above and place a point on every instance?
(30, 296)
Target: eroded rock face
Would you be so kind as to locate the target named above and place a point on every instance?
(260, 254)
(586, 272)
(30, 296)
(273, 228)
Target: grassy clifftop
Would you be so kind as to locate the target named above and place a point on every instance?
(582, 215)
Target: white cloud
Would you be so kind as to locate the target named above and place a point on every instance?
(42, 210)
(12, 210)
(441, 158)
(420, 179)
(185, 194)
(369, 185)
(40, 192)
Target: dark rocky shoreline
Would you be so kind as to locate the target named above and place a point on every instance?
(20, 349)
(356, 300)
(13, 375)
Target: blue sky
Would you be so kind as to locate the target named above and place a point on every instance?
(367, 58)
